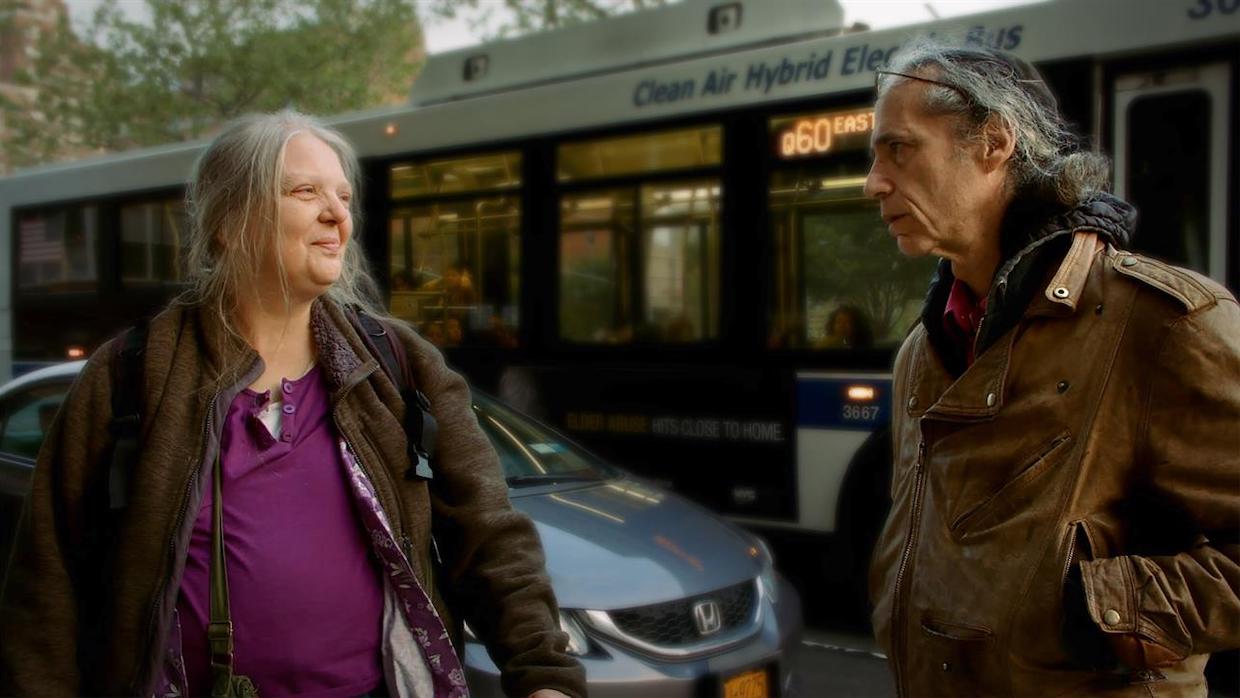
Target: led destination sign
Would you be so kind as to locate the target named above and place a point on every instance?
(807, 135)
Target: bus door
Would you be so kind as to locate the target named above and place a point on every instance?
(1171, 132)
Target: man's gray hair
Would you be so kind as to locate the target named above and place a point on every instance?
(233, 202)
(979, 85)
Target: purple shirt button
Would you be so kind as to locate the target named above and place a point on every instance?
(289, 409)
(288, 387)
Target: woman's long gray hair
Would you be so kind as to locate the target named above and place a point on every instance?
(1049, 161)
(233, 202)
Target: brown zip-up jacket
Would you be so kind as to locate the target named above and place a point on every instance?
(1093, 447)
(75, 621)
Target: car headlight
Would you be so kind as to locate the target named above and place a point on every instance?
(578, 645)
(766, 579)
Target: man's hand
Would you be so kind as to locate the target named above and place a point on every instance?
(547, 693)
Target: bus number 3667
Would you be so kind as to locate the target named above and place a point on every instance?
(861, 413)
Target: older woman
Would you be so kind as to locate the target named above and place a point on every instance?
(275, 538)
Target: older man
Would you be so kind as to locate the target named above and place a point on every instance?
(1066, 486)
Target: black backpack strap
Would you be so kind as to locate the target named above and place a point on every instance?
(126, 425)
(420, 426)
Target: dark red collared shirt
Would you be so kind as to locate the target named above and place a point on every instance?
(962, 315)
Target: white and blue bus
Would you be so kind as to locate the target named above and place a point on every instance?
(644, 229)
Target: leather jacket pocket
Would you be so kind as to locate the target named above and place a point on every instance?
(1014, 495)
(959, 653)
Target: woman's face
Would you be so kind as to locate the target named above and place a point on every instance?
(315, 223)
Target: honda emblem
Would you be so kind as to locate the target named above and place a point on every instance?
(707, 618)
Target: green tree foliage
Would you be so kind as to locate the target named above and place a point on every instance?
(490, 19)
(850, 260)
(177, 70)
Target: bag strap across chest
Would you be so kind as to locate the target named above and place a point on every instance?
(420, 427)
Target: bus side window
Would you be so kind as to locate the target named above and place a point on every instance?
(455, 233)
(654, 280)
(640, 261)
(57, 250)
(153, 241)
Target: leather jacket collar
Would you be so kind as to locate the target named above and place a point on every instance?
(1035, 239)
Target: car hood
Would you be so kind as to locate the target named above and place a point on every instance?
(623, 543)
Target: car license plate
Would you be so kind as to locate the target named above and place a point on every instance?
(751, 684)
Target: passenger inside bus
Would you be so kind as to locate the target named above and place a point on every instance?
(786, 332)
(434, 333)
(453, 332)
(458, 286)
(846, 328)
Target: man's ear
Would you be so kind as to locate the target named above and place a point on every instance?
(999, 143)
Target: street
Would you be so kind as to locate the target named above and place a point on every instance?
(842, 664)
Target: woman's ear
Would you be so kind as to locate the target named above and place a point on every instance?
(1000, 144)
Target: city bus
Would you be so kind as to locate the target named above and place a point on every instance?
(650, 231)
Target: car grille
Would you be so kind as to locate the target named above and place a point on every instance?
(671, 624)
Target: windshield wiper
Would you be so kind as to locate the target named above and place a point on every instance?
(548, 478)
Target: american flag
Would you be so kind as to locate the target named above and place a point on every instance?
(35, 246)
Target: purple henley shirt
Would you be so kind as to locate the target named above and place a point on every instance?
(305, 591)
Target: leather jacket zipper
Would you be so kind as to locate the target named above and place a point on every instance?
(1073, 531)
(898, 625)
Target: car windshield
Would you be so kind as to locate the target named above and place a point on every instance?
(531, 453)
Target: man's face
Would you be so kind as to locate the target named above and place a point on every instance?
(931, 187)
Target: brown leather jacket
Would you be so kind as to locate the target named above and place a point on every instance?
(70, 628)
(1097, 439)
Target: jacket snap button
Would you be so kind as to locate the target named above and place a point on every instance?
(1061, 292)
(1129, 261)
(1063, 386)
(1098, 310)
(912, 402)
(1111, 617)
(990, 399)
(947, 667)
